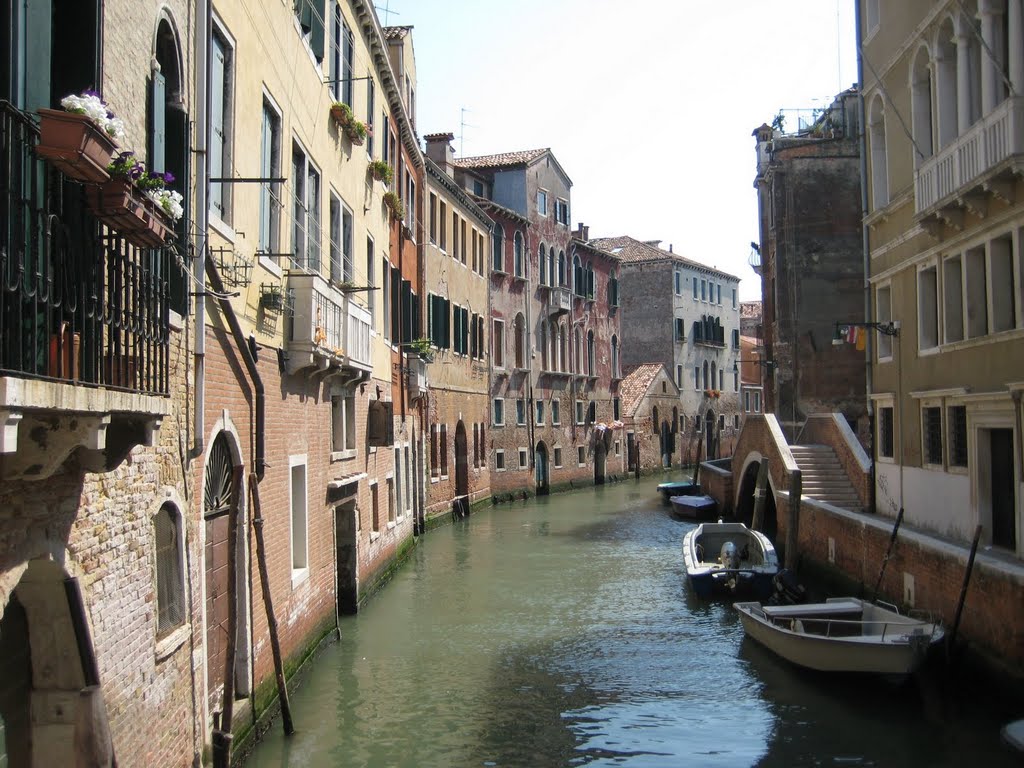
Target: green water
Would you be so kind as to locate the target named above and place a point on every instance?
(560, 632)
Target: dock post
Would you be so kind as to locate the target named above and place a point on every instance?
(760, 490)
(796, 489)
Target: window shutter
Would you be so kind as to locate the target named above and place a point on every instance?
(417, 331)
(158, 122)
(407, 326)
(316, 32)
(396, 305)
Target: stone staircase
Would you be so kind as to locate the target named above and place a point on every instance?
(824, 478)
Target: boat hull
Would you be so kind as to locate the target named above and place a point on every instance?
(900, 653)
(708, 577)
(693, 507)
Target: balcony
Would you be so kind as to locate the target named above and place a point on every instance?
(979, 162)
(84, 322)
(559, 301)
(329, 330)
(416, 368)
(708, 333)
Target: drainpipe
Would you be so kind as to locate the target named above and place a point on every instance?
(203, 89)
(528, 362)
(260, 404)
(865, 235)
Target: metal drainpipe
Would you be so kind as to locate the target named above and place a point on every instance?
(865, 234)
(260, 404)
(528, 341)
(203, 76)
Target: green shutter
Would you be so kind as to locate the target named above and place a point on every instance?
(158, 122)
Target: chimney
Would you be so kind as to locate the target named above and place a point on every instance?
(583, 233)
(439, 149)
(670, 247)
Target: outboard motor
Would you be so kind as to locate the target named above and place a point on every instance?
(729, 557)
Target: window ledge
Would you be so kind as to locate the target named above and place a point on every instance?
(435, 479)
(342, 455)
(444, 477)
(391, 524)
(299, 575)
(172, 642)
(374, 535)
(221, 227)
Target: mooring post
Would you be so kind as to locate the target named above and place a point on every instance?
(963, 588)
(760, 491)
(796, 489)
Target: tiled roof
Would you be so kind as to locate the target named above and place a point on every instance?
(396, 33)
(490, 205)
(501, 160)
(633, 388)
(630, 249)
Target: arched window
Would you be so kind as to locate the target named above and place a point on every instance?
(615, 357)
(518, 255)
(542, 264)
(562, 349)
(551, 266)
(520, 340)
(969, 35)
(707, 381)
(561, 269)
(591, 287)
(577, 350)
(714, 375)
(170, 584)
(654, 420)
(578, 278)
(613, 289)
(945, 83)
(591, 357)
(542, 342)
(498, 248)
(554, 346)
(921, 103)
(879, 162)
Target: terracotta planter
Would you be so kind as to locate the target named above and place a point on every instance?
(341, 117)
(355, 138)
(119, 205)
(156, 231)
(65, 349)
(75, 145)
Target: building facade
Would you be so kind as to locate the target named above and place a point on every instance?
(457, 263)
(99, 555)
(811, 262)
(946, 264)
(684, 315)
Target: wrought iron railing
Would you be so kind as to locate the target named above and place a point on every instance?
(77, 302)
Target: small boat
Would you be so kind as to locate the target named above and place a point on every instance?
(843, 634)
(729, 556)
(1013, 734)
(680, 488)
(693, 507)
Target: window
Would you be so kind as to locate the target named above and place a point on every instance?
(499, 412)
(678, 276)
(679, 376)
(615, 357)
(931, 434)
(444, 450)
(270, 167)
(696, 377)
(343, 422)
(542, 264)
(311, 23)
(680, 329)
(1000, 256)
(581, 455)
(562, 211)
(579, 411)
(518, 256)
(871, 14)
(696, 291)
(222, 77)
(306, 212)
(170, 586)
(397, 506)
(499, 460)
(371, 296)
(613, 290)
(976, 293)
(462, 241)
(885, 432)
(735, 338)
(927, 308)
(703, 290)
(432, 218)
(957, 415)
(591, 355)
(334, 233)
(375, 508)
(736, 380)
(734, 298)
(592, 412)
(392, 500)
(558, 456)
(435, 466)
(579, 277)
(718, 288)
(299, 533)
(523, 460)
(386, 294)
(883, 314)
(616, 409)
(442, 223)
(721, 379)
(542, 202)
(341, 59)
(556, 419)
(921, 101)
(520, 411)
(877, 150)
(498, 248)
(498, 343)
(371, 97)
(540, 413)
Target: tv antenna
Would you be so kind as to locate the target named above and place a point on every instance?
(463, 125)
(386, 11)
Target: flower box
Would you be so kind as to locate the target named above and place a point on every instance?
(119, 205)
(341, 113)
(75, 145)
(156, 231)
(65, 352)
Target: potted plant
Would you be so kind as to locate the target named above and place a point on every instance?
(117, 202)
(81, 139)
(422, 348)
(394, 205)
(341, 112)
(356, 131)
(381, 171)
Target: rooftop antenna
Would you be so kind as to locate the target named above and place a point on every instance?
(462, 129)
(386, 11)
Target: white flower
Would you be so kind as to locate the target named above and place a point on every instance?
(169, 200)
(93, 107)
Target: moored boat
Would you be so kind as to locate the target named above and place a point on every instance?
(729, 557)
(693, 507)
(678, 488)
(842, 635)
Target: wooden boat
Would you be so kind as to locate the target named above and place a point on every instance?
(693, 507)
(843, 634)
(729, 557)
(679, 488)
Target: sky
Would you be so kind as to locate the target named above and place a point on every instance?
(648, 106)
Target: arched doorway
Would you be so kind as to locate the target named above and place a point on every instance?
(667, 444)
(600, 454)
(710, 447)
(219, 500)
(461, 503)
(745, 502)
(540, 468)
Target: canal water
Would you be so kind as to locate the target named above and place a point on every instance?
(561, 632)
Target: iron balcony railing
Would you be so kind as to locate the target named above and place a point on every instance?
(78, 303)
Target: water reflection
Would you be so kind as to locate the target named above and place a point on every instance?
(560, 632)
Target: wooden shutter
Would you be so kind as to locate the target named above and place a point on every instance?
(396, 305)
(157, 122)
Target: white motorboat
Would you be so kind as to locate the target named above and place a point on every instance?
(843, 634)
(729, 557)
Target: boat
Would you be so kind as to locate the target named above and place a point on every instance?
(678, 488)
(729, 557)
(843, 634)
(693, 507)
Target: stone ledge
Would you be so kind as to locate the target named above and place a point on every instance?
(36, 394)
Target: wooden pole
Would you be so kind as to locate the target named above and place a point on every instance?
(796, 489)
(760, 491)
(222, 740)
(888, 553)
(696, 460)
(963, 588)
(268, 604)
